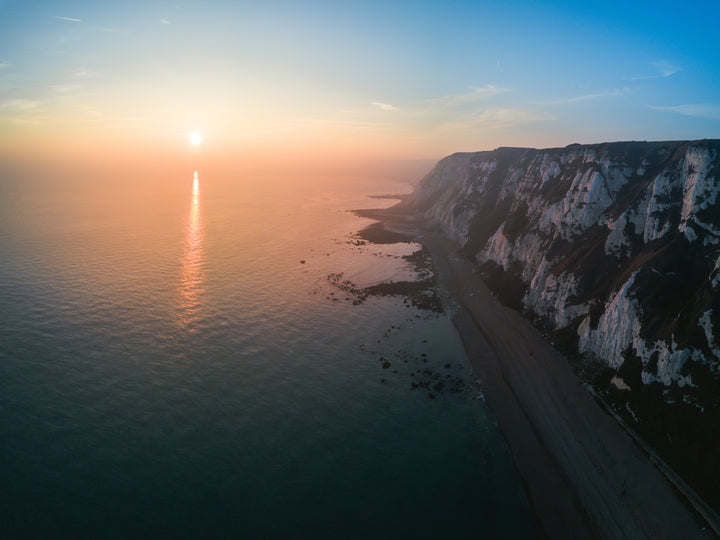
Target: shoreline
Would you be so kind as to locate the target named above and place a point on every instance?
(583, 474)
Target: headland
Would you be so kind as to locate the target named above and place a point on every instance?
(584, 475)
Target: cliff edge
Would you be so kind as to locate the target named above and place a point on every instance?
(613, 249)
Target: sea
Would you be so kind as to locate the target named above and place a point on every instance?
(176, 362)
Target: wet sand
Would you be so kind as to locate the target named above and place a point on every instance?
(583, 474)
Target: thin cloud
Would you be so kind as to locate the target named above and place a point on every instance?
(508, 117)
(384, 106)
(120, 123)
(495, 118)
(698, 110)
(64, 88)
(589, 97)
(475, 94)
(354, 123)
(115, 119)
(467, 112)
(663, 69)
(4, 65)
(449, 115)
(67, 19)
(165, 21)
(87, 73)
(18, 105)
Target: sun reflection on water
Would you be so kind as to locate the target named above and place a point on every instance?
(190, 287)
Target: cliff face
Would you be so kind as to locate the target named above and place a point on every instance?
(615, 250)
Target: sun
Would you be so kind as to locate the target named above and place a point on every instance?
(195, 139)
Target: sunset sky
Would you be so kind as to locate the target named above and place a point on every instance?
(347, 82)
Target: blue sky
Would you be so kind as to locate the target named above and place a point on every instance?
(404, 79)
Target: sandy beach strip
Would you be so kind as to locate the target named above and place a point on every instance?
(584, 475)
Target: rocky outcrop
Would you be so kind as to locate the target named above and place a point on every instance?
(615, 250)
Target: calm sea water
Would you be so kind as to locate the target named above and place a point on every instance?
(168, 366)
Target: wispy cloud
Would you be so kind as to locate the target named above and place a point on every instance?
(475, 94)
(71, 19)
(4, 65)
(699, 110)
(64, 88)
(351, 122)
(18, 105)
(665, 68)
(164, 21)
(87, 73)
(384, 106)
(22, 111)
(662, 69)
(493, 118)
(508, 116)
(588, 97)
(110, 122)
(463, 113)
(99, 28)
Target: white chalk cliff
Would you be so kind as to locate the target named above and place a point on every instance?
(617, 245)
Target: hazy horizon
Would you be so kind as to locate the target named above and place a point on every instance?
(323, 88)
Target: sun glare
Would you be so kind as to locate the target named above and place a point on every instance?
(195, 139)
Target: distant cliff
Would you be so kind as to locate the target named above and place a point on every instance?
(614, 250)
